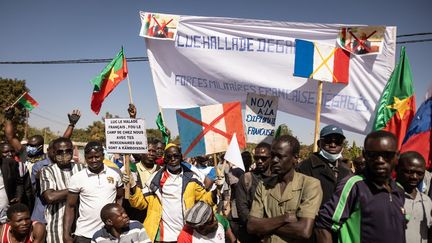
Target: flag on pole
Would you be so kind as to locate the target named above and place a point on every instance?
(321, 62)
(419, 136)
(160, 124)
(396, 107)
(27, 101)
(107, 80)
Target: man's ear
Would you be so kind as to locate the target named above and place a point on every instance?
(319, 143)
(109, 222)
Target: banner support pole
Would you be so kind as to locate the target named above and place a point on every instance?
(317, 116)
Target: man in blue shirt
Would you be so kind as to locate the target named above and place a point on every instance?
(367, 208)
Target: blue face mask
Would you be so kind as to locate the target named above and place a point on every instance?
(32, 151)
(330, 157)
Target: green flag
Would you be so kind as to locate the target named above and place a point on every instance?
(278, 131)
(162, 128)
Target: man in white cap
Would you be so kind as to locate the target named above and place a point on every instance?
(326, 165)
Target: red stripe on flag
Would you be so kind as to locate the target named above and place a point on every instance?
(399, 125)
(30, 100)
(232, 124)
(341, 66)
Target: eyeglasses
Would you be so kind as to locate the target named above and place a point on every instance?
(386, 155)
(173, 156)
(337, 140)
(262, 158)
(66, 151)
(96, 148)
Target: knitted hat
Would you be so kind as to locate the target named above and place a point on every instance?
(198, 215)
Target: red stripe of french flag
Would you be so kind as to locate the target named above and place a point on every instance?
(341, 66)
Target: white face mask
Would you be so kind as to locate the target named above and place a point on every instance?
(330, 157)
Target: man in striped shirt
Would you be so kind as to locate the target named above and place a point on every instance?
(54, 181)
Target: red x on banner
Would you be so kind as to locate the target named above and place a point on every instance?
(210, 126)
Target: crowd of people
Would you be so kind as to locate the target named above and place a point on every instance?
(49, 197)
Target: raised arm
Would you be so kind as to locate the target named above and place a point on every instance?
(10, 130)
(73, 119)
(69, 216)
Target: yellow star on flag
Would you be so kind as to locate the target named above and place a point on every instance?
(401, 105)
(112, 75)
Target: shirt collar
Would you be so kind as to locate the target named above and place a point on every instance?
(89, 173)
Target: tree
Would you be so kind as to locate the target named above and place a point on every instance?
(96, 131)
(45, 132)
(10, 90)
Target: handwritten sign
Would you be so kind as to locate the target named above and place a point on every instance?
(126, 136)
(260, 117)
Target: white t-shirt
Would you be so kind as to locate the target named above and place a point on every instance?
(95, 191)
(172, 210)
(216, 237)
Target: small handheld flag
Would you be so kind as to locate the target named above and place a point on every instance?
(161, 126)
(26, 101)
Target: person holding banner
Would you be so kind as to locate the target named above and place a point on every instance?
(90, 189)
(166, 196)
(326, 165)
(285, 207)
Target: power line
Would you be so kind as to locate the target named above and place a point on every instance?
(145, 59)
(415, 34)
(48, 119)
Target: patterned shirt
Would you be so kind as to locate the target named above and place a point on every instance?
(135, 233)
(54, 178)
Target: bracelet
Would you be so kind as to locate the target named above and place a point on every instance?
(71, 125)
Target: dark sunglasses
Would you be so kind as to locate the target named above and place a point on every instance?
(173, 156)
(262, 158)
(329, 140)
(66, 151)
(96, 148)
(386, 155)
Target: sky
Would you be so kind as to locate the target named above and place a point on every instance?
(65, 30)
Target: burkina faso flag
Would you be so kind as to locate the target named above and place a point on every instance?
(107, 80)
(396, 108)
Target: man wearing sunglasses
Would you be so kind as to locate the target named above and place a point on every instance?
(246, 187)
(368, 207)
(326, 165)
(54, 181)
(167, 195)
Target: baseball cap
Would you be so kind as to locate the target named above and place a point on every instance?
(331, 129)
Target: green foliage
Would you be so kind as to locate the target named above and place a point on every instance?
(10, 90)
(96, 131)
(80, 135)
(47, 134)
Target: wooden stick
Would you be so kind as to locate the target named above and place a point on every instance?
(127, 170)
(130, 90)
(16, 101)
(317, 116)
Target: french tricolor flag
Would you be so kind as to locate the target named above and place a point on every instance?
(209, 129)
(321, 62)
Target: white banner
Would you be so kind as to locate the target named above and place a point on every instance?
(215, 60)
(125, 136)
(260, 117)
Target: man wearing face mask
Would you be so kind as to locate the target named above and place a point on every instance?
(54, 181)
(167, 195)
(326, 165)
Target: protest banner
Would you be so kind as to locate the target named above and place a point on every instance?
(125, 136)
(260, 117)
(209, 129)
(223, 59)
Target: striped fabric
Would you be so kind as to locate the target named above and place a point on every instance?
(52, 177)
(209, 129)
(321, 62)
(135, 233)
